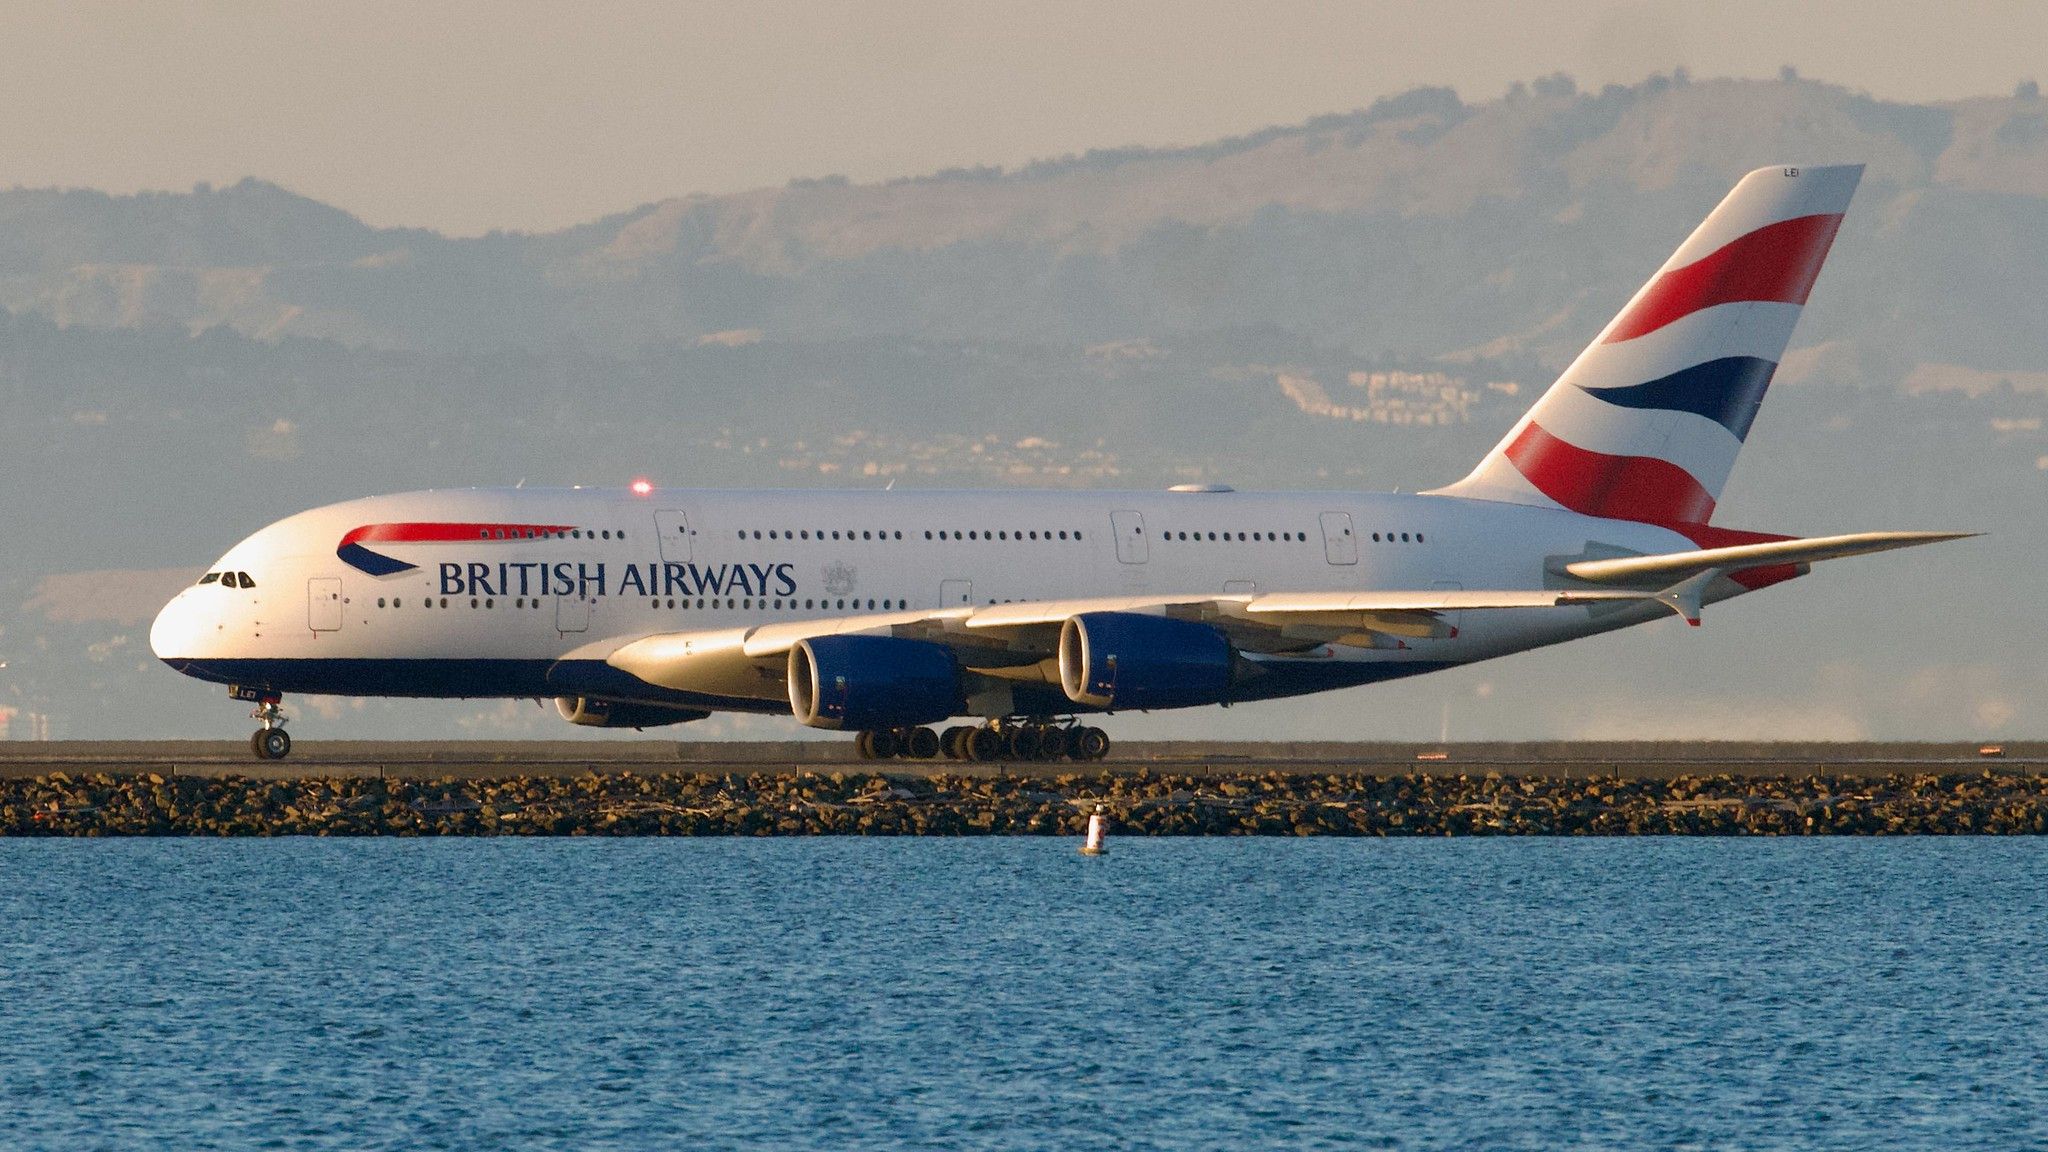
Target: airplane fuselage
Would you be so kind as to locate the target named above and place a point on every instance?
(524, 591)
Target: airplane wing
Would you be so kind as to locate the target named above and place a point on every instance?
(1016, 641)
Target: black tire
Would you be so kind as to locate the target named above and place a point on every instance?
(1090, 744)
(274, 743)
(256, 745)
(1023, 743)
(884, 744)
(954, 743)
(864, 745)
(921, 744)
(982, 745)
(1052, 744)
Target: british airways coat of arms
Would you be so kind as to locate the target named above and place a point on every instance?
(840, 579)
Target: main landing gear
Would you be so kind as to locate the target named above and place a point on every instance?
(997, 741)
(271, 741)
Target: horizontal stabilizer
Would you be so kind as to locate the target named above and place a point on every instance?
(1673, 567)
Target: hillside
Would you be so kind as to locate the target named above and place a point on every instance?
(1422, 225)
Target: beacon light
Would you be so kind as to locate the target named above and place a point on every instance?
(642, 487)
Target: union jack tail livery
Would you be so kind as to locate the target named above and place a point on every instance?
(1646, 423)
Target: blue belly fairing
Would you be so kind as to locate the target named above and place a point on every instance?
(526, 678)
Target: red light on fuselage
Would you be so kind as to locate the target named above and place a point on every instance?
(642, 487)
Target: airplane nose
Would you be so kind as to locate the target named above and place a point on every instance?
(170, 636)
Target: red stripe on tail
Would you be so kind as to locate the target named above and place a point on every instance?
(1777, 262)
(1639, 488)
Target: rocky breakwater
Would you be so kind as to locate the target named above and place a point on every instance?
(1141, 803)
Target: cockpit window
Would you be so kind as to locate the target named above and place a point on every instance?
(209, 578)
(246, 582)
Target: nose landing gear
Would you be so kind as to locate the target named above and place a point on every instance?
(271, 741)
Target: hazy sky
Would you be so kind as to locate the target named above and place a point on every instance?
(470, 116)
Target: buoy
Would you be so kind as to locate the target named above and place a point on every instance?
(1098, 827)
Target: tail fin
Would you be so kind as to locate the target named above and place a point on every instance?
(1646, 423)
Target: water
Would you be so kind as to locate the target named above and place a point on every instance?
(1246, 994)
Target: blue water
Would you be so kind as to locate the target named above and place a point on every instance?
(1246, 994)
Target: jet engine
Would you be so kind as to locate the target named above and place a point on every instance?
(1124, 660)
(865, 682)
(611, 714)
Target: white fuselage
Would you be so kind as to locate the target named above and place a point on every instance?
(524, 592)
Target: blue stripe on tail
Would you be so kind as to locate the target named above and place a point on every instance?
(1727, 391)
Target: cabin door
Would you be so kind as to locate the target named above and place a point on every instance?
(672, 528)
(323, 603)
(1340, 543)
(572, 614)
(955, 593)
(1131, 547)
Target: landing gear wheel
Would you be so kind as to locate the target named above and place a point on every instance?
(268, 742)
(982, 744)
(884, 745)
(864, 745)
(1089, 744)
(1023, 743)
(1052, 743)
(953, 742)
(921, 744)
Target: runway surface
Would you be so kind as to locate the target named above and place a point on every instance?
(497, 759)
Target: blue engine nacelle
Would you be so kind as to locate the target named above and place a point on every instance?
(1123, 660)
(872, 682)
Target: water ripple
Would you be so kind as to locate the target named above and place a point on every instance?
(309, 994)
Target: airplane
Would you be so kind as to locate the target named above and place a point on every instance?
(883, 613)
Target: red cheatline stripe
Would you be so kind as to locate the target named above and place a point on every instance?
(1617, 487)
(446, 533)
(1777, 262)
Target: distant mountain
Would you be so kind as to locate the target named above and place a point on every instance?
(1422, 225)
